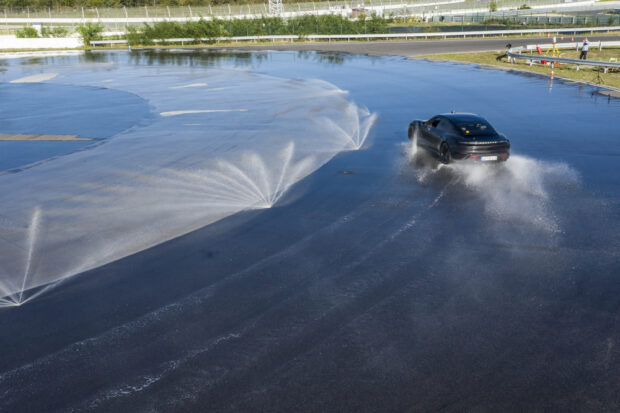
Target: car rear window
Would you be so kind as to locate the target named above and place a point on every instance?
(475, 128)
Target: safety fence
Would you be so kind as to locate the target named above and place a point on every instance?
(383, 36)
(532, 58)
(570, 45)
(446, 11)
(416, 16)
(153, 10)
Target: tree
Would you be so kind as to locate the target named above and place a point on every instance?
(27, 31)
(89, 32)
(492, 6)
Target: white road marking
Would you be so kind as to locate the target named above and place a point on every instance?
(191, 85)
(35, 78)
(188, 112)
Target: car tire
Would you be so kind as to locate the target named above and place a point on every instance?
(445, 156)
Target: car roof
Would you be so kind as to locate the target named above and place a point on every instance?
(463, 117)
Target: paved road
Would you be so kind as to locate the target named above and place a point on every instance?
(418, 47)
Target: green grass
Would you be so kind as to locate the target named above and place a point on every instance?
(584, 74)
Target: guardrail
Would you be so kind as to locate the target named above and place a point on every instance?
(537, 58)
(571, 45)
(348, 37)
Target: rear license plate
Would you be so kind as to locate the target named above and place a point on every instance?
(488, 158)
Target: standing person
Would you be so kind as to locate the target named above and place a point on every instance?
(584, 49)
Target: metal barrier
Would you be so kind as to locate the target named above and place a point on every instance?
(386, 36)
(571, 45)
(532, 58)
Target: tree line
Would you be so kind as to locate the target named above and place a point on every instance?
(302, 25)
(210, 29)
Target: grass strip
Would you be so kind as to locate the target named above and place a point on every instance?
(586, 74)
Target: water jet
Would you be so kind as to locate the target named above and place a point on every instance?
(157, 181)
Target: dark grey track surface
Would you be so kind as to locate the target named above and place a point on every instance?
(394, 287)
(422, 47)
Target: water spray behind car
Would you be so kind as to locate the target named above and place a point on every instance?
(463, 151)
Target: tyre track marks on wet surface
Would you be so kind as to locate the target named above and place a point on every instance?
(151, 323)
(508, 314)
(257, 353)
(191, 314)
(355, 294)
(277, 308)
(148, 324)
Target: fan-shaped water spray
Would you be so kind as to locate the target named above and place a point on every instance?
(32, 237)
(16, 297)
(268, 185)
(354, 130)
(156, 182)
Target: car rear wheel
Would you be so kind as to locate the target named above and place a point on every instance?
(444, 154)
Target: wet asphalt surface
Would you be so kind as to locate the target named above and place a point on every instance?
(84, 106)
(379, 283)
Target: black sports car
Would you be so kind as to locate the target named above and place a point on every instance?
(460, 136)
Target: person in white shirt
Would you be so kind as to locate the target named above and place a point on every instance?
(584, 49)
